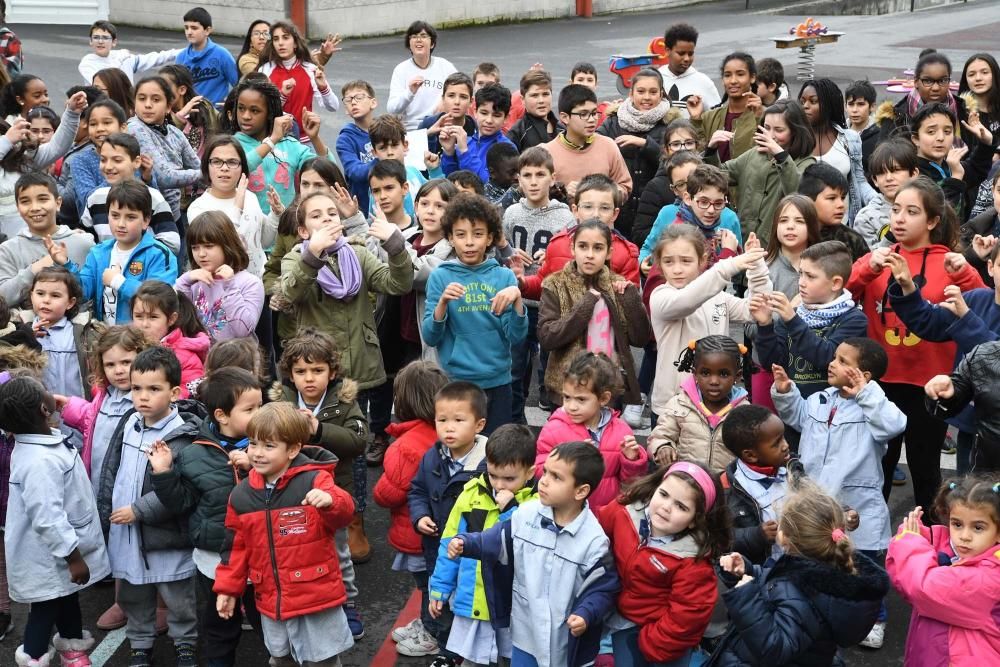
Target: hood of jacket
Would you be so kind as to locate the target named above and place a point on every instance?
(690, 390)
(19, 356)
(62, 232)
(198, 345)
(344, 390)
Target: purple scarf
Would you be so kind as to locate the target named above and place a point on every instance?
(348, 285)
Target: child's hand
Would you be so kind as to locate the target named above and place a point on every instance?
(766, 142)
(432, 160)
(434, 608)
(733, 564)
(452, 292)
(43, 263)
(505, 298)
(18, 131)
(40, 327)
(977, 129)
(877, 259)
(331, 44)
(241, 192)
(619, 286)
(760, 309)
(857, 382)
(274, 201)
(321, 82)
(190, 107)
(415, 83)
(79, 573)
(752, 242)
(694, 107)
(123, 516)
(503, 498)
(161, 459)
(346, 203)
(901, 272)
(282, 126)
(57, 251)
(954, 302)
(77, 102)
(426, 526)
(779, 303)
(781, 381)
(318, 498)
(664, 454)
(728, 240)
(938, 387)
(456, 547)
(324, 238)
(954, 262)
(577, 626)
(109, 275)
(311, 122)
(853, 519)
(770, 530)
(720, 137)
(381, 229)
(225, 605)
(203, 276)
(983, 245)
(954, 161)
(516, 264)
(912, 522)
(755, 104)
(224, 272)
(461, 137)
(624, 140)
(146, 168)
(630, 448)
(447, 139)
(287, 86)
(238, 458)
(313, 421)
(61, 401)
(646, 265)
(571, 188)
(749, 258)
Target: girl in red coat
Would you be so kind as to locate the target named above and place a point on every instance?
(665, 530)
(170, 318)
(281, 522)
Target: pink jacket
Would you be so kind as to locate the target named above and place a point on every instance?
(956, 608)
(191, 352)
(617, 469)
(81, 414)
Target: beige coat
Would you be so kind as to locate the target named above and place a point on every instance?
(684, 428)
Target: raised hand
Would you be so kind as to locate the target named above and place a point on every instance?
(749, 258)
(912, 522)
(954, 262)
(19, 129)
(431, 160)
(630, 448)
(190, 107)
(324, 238)
(694, 105)
(938, 387)
(161, 459)
(310, 123)
(954, 161)
(282, 126)
(733, 564)
(146, 168)
(954, 302)
(452, 292)
(318, 498)
(983, 245)
(77, 102)
(856, 381)
(901, 272)
(720, 137)
(504, 298)
(203, 276)
(331, 44)
(976, 128)
(782, 383)
(382, 229)
(728, 240)
(346, 203)
(752, 242)
(780, 304)
(241, 192)
(766, 142)
(238, 458)
(57, 251)
(110, 274)
(456, 547)
(224, 272)
(755, 104)
(321, 82)
(877, 259)
(760, 309)
(415, 83)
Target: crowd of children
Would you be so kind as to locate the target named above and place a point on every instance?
(212, 324)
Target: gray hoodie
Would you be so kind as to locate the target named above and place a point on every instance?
(872, 221)
(17, 254)
(531, 229)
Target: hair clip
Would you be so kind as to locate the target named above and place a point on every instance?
(743, 349)
(692, 344)
(952, 486)
(837, 534)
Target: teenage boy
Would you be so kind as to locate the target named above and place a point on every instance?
(458, 456)
(354, 145)
(859, 99)
(114, 269)
(539, 124)
(555, 550)
(680, 79)
(501, 163)
(578, 150)
(585, 74)
(213, 68)
(388, 140)
(120, 161)
(804, 339)
(25, 255)
(148, 541)
(474, 311)
(770, 81)
(827, 187)
(509, 482)
(483, 74)
(103, 40)
(464, 151)
(845, 430)
(456, 96)
(892, 164)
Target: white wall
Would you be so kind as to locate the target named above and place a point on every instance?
(231, 17)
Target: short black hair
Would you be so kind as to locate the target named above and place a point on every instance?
(741, 428)
(834, 257)
(475, 208)
(32, 178)
(587, 462)
(573, 96)
(770, 72)
(497, 94)
(680, 32)
(861, 90)
(132, 195)
(198, 15)
(820, 176)
(871, 356)
(498, 153)
(126, 141)
(93, 93)
(893, 155)
(106, 26)
(582, 68)
(416, 28)
(388, 169)
(457, 79)
(159, 358)
(511, 444)
(467, 179)
(464, 391)
(221, 389)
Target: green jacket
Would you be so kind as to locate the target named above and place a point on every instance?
(351, 322)
(743, 128)
(343, 427)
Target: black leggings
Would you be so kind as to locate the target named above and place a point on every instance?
(62, 613)
(923, 436)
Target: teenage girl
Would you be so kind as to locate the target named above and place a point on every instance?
(21, 95)
(227, 296)
(257, 37)
(679, 136)
(102, 118)
(666, 530)
(589, 383)
(116, 85)
(923, 225)
(931, 83)
(170, 319)
(192, 114)
(730, 127)
(288, 63)
(691, 427)
(979, 87)
(820, 594)
(56, 297)
(585, 306)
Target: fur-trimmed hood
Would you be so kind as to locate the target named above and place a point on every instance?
(20, 356)
(345, 390)
(885, 111)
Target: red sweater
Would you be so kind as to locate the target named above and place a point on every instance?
(402, 459)
(559, 252)
(911, 359)
(301, 95)
(666, 591)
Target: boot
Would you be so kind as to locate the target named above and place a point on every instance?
(161, 616)
(114, 617)
(73, 652)
(361, 551)
(22, 659)
(376, 451)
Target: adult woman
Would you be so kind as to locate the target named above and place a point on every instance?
(417, 82)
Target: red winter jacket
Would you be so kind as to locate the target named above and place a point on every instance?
(402, 459)
(283, 547)
(666, 591)
(559, 252)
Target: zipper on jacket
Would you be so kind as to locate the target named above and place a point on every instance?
(274, 559)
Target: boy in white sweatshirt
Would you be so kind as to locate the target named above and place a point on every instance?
(104, 39)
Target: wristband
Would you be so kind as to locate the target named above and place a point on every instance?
(267, 142)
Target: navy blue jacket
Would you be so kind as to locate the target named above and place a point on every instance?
(433, 145)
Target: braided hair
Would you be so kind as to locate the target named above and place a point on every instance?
(260, 84)
(23, 406)
(716, 343)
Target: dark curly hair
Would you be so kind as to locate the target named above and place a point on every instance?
(473, 208)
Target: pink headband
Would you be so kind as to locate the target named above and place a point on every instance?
(701, 477)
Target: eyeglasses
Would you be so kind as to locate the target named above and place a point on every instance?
(585, 115)
(360, 97)
(679, 185)
(420, 36)
(101, 38)
(604, 208)
(934, 83)
(264, 34)
(219, 163)
(705, 204)
(688, 145)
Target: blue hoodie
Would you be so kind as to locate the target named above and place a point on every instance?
(213, 69)
(473, 343)
(354, 148)
(474, 159)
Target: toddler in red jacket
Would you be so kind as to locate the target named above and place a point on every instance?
(281, 523)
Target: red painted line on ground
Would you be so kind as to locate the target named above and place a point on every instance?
(386, 656)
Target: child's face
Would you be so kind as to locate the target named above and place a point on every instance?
(538, 101)
(672, 507)
(581, 121)
(50, 300)
(151, 103)
(311, 378)
(767, 92)
(535, 182)
(845, 357)
(809, 100)
(815, 286)
(251, 113)
(973, 529)
(430, 210)
(208, 256)
(127, 224)
(225, 168)
(102, 42)
(260, 35)
(389, 193)
(471, 239)
(490, 120)
(681, 140)
(858, 111)
(590, 252)
(830, 207)
(510, 477)
(152, 321)
(36, 94)
(933, 82)
(116, 164)
(310, 181)
(457, 424)
(320, 212)
(680, 263)
(117, 364)
(390, 151)
(908, 220)
(234, 425)
(271, 458)
(455, 102)
(41, 131)
(771, 449)
(152, 394)
(792, 231)
(557, 487)
(196, 33)
(646, 93)
(681, 57)
(585, 79)
(707, 204)
(358, 103)
(778, 126)
(679, 178)
(935, 137)
(176, 92)
(736, 78)
(889, 182)
(482, 79)
(505, 175)
(598, 204)
(979, 76)
(38, 207)
(581, 404)
(715, 374)
(100, 123)
(283, 43)
(464, 188)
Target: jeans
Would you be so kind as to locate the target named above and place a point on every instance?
(521, 356)
(627, 653)
(498, 402)
(63, 613)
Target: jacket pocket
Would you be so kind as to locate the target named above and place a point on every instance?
(255, 577)
(309, 573)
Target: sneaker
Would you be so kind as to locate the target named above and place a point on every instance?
(186, 656)
(898, 477)
(402, 632)
(6, 624)
(632, 414)
(354, 622)
(545, 404)
(443, 661)
(140, 657)
(875, 637)
(376, 452)
(417, 645)
(949, 446)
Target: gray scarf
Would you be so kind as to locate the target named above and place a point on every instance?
(633, 120)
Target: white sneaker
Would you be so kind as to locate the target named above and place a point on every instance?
(875, 637)
(632, 414)
(417, 645)
(404, 631)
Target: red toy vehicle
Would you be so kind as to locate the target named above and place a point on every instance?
(625, 67)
